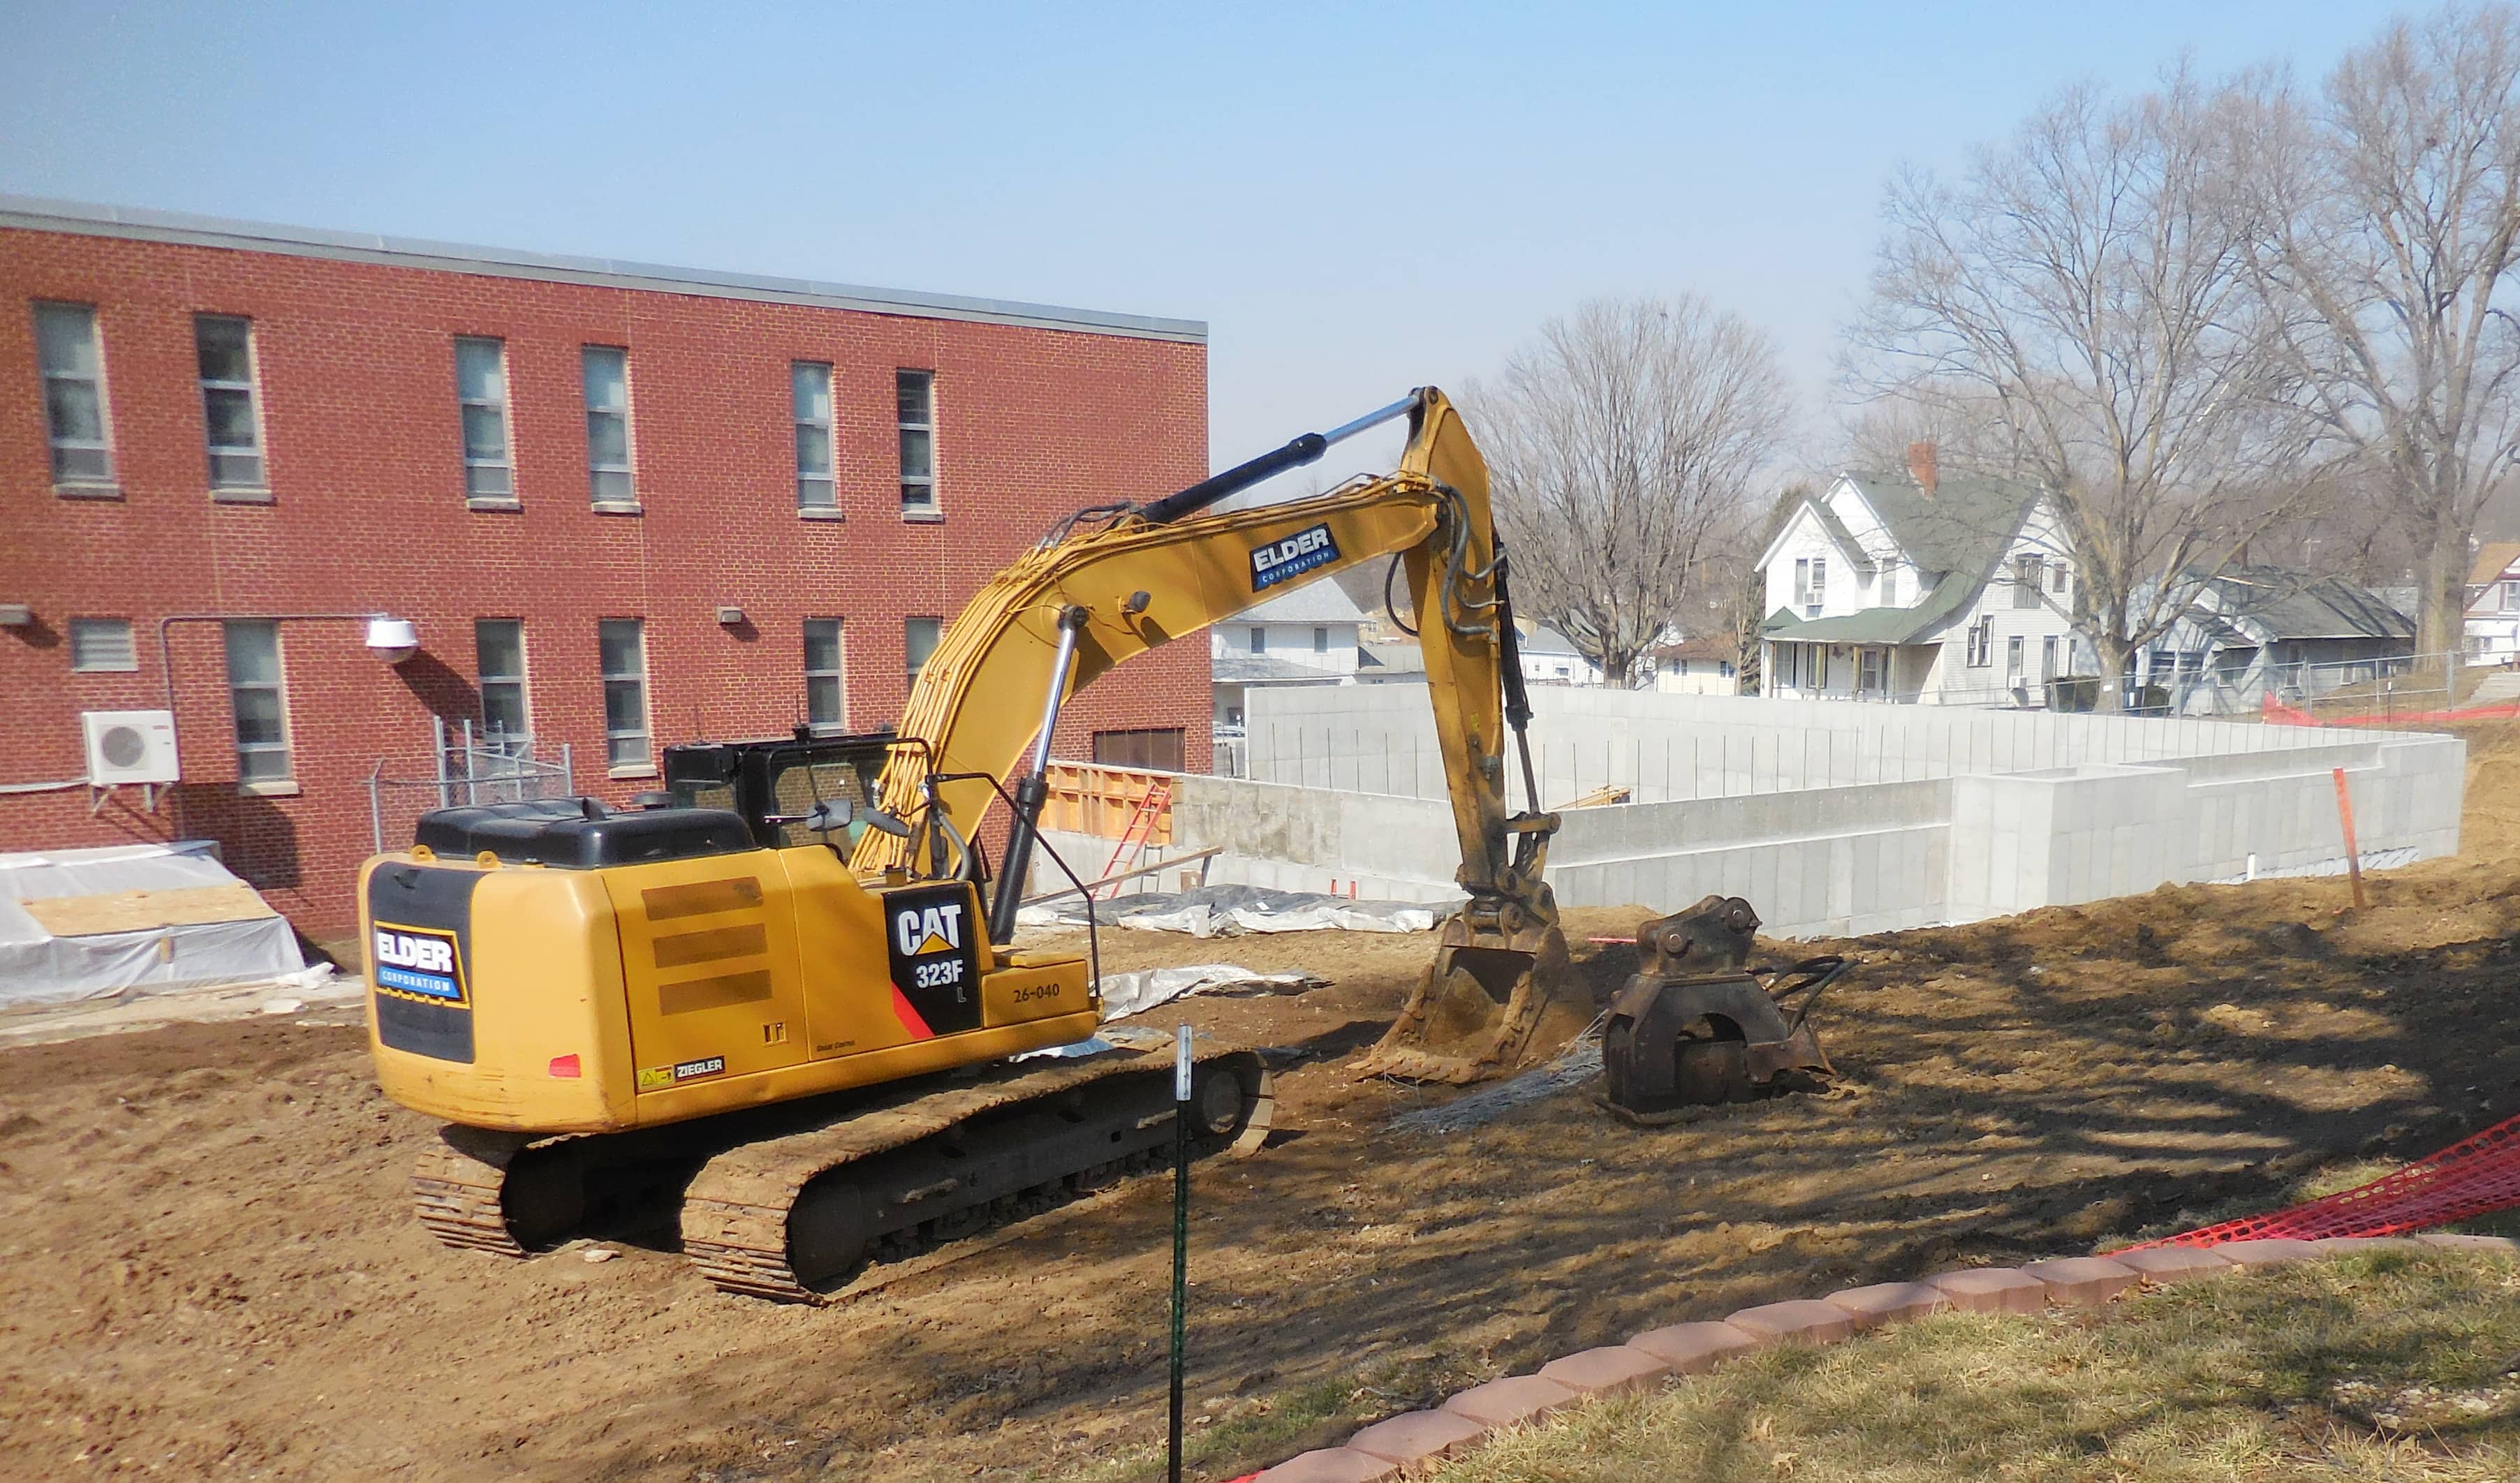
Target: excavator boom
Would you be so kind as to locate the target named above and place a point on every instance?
(1087, 599)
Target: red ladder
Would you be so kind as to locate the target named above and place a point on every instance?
(1151, 804)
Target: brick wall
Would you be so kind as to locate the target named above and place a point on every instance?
(367, 513)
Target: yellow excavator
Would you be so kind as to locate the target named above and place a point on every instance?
(774, 989)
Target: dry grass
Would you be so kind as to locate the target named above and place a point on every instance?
(2382, 1367)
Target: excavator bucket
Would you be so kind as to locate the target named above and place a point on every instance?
(1479, 1006)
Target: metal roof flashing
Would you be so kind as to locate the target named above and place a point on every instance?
(40, 215)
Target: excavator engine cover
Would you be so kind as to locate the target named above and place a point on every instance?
(1693, 1026)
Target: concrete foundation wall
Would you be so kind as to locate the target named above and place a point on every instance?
(1831, 819)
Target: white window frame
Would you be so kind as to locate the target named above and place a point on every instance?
(1810, 584)
(478, 471)
(2016, 661)
(82, 633)
(2029, 579)
(516, 743)
(2510, 596)
(824, 484)
(101, 445)
(627, 469)
(617, 740)
(919, 492)
(837, 675)
(913, 669)
(1981, 643)
(260, 450)
(2047, 660)
(285, 778)
(1259, 638)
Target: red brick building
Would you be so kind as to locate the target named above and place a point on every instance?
(624, 506)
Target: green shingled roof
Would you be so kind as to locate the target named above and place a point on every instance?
(1961, 527)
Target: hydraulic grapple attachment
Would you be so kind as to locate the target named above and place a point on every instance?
(1695, 1025)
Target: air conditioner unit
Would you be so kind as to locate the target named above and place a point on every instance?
(129, 747)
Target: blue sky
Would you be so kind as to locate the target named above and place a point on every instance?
(1355, 200)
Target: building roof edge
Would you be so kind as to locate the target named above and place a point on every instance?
(42, 214)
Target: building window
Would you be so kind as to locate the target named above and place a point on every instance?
(1981, 643)
(1811, 583)
(623, 644)
(1259, 638)
(605, 370)
(2511, 597)
(102, 647)
(1787, 678)
(918, 642)
(255, 696)
(499, 651)
(809, 385)
(1321, 640)
(2058, 583)
(2028, 577)
(826, 698)
(2012, 650)
(915, 393)
(1155, 748)
(1867, 671)
(2047, 660)
(223, 346)
(72, 363)
(481, 392)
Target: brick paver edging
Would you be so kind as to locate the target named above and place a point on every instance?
(1413, 1442)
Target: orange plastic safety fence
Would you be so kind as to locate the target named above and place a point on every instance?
(2476, 1175)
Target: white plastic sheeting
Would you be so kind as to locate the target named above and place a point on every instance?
(1135, 993)
(38, 968)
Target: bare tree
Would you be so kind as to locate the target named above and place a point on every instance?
(2082, 297)
(1622, 443)
(2384, 219)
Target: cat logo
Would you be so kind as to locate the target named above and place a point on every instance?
(934, 944)
(921, 930)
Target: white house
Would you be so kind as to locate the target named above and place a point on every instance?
(1550, 657)
(1307, 637)
(1918, 589)
(1696, 668)
(2493, 604)
(2253, 631)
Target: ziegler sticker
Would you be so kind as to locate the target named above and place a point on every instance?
(933, 942)
(418, 963)
(1300, 552)
(653, 1077)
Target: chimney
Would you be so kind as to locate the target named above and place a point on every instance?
(1921, 463)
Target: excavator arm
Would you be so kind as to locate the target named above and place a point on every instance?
(1087, 599)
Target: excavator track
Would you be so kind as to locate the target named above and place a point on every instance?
(778, 1217)
(496, 1192)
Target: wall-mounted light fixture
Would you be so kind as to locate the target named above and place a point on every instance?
(729, 617)
(393, 640)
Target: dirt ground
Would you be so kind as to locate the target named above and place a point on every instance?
(211, 1269)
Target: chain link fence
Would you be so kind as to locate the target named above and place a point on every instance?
(464, 767)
